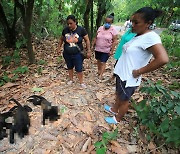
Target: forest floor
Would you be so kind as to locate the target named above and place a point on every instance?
(81, 121)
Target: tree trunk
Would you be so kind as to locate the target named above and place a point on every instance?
(101, 12)
(26, 10)
(9, 32)
(86, 16)
(91, 36)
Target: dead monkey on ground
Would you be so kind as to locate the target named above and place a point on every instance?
(49, 112)
(21, 119)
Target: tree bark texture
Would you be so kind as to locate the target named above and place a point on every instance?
(26, 9)
(101, 12)
(9, 32)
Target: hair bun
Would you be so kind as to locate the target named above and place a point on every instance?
(157, 12)
(112, 14)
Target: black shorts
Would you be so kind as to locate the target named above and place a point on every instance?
(101, 56)
(123, 92)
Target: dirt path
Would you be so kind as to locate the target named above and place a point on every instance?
(82, 114)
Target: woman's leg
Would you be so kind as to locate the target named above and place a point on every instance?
(70, 65)
(102, 69)
(121, 107)
(70, 71)
(99, 66)
(104, 57)
(80, 77)
(123, 95)
(78, 62)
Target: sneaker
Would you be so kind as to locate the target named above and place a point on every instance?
(83, 85)
(70, 82)
(107, 108)
(111, 120)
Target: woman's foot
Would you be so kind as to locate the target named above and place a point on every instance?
(70, 82)
(83, 85)
(107, 108)
(111, 120)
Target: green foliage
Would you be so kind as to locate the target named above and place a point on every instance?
(39, 70)
(6, 60)
(16, 57)
(36, 89)
(171, 41)
(21, 70)
(101, 146)
(160, 112)
(42, 62)
(5, 78)
(59, 59)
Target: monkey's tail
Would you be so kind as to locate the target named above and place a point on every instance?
(35, 99)
(15, 101)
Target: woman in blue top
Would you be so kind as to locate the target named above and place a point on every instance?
(124, 39)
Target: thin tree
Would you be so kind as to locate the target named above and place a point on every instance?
(26, 9)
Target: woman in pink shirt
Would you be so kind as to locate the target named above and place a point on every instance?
(104, 43)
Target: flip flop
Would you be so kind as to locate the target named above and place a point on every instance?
(107, 108)
(111, 120)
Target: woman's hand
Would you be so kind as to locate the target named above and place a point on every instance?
(110, 53)
(89, 54)
(136, 73)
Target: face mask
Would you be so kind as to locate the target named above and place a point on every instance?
(107, 25)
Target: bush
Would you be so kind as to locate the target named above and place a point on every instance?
(160, 113)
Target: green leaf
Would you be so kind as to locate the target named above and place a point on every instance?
(98, 144)
(177, 109)
(110, 136)
(101, 150)
(36, 89)
(174, 93)
(158, 110)
(176, 122)
(63, 109)
(163, 108)
(164, 125)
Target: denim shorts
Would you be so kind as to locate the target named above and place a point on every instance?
(103, 57)
(73, 60)
(124, 93)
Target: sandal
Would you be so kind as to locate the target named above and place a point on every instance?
(107, 108)
(70, 82)
(111, 120)
(83, 85)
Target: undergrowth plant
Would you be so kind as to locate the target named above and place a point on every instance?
(160, 111)
(101, 146)
(18, 71)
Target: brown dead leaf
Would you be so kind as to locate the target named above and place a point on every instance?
(99, 96)
(47, 151)
(115, 143)
(119, 150)
(2, 94)
(132, 148)
(88, 115)
(91, 148)
(9, 85)
(151, 146)
(140, 99)
(86, 127)
(66, 151)
(86, 144)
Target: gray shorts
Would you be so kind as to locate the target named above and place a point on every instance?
(123, 92)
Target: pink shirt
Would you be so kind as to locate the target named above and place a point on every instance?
(104, 39)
